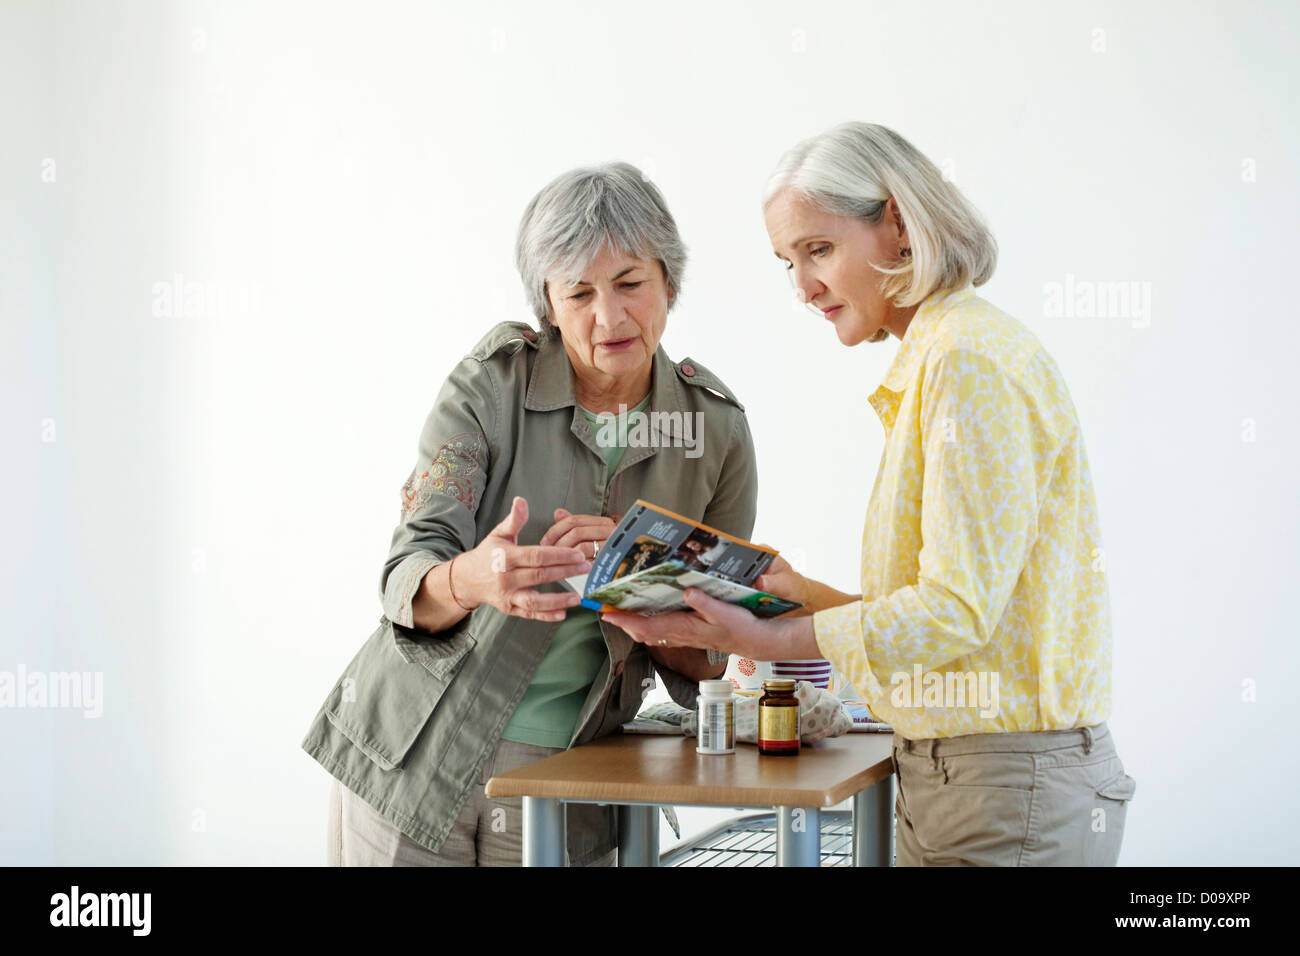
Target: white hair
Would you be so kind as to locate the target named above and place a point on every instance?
(579, 213)
(854, 170)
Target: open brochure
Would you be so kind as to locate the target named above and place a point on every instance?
(654, 555)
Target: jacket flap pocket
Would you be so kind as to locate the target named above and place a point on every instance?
(441, 655)
(1121, 788)
(389, 691)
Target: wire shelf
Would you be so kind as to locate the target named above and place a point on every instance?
(750, 840)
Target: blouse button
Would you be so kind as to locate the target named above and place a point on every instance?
(688, 370)
(530, 335)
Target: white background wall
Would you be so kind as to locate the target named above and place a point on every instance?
(198, 503)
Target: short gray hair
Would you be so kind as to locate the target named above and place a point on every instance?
(855, 168)
(580, 212)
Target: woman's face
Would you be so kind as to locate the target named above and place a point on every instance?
(831, 261)
(612, 320)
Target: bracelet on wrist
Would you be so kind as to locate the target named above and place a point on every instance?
(451, 564)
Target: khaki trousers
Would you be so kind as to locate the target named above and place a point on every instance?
(488, 832)
(1056, 798)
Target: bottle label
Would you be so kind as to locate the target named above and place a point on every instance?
(716, 730)
(778, 726)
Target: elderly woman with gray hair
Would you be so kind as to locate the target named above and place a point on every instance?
(483, 663)
(982, 630)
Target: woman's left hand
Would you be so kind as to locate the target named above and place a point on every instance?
(714, 624)
(584, 532)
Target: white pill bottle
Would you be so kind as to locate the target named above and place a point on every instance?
(716, 726)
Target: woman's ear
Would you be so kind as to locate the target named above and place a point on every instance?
(904, 240)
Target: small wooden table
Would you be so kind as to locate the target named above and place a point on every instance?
(639, 773)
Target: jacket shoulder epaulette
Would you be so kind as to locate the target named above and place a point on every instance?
(692, 372)
(512, 335)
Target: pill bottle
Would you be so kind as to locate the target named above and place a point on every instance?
(778, 718)
(716, 731)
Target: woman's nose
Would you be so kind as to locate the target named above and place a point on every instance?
(607, 312)
(805, 288)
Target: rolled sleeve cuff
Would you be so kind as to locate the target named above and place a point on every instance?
(839, 635)
(403, 584)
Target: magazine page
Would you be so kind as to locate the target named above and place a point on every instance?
(660, 589)
(649, 535)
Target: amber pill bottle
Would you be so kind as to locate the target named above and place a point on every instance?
(778, 719)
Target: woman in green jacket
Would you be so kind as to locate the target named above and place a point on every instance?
(482, 662)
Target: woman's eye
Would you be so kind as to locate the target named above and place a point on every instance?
(630, 285)
(820, 251)
(580, 295)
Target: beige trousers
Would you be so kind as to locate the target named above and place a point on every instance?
(488, 832)
(1056, 798)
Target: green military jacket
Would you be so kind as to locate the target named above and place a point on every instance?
(415, 716)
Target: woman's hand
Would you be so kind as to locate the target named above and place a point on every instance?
(584, 532)
(504, 574)
(714, 624)
(724, 627)
(783, 581)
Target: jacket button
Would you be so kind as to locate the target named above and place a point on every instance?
(618, 668)
(530, 335)
(688, 369)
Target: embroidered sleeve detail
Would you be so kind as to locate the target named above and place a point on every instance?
(454, 471)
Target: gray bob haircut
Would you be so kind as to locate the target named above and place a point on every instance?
(854, 169)
(580, 212)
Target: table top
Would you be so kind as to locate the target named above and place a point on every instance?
(667, 770)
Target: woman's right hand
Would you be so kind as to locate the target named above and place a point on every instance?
(504, 574)
(783, 581)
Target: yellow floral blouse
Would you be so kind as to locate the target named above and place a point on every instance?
(984, 603)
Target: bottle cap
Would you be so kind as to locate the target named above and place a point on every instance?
(778, 685)
(715, 688)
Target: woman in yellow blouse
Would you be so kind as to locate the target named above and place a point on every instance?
(982, 633)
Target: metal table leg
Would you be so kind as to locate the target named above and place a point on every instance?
(873, 824)
(544, 836)
(798, 836)
(638, 836)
